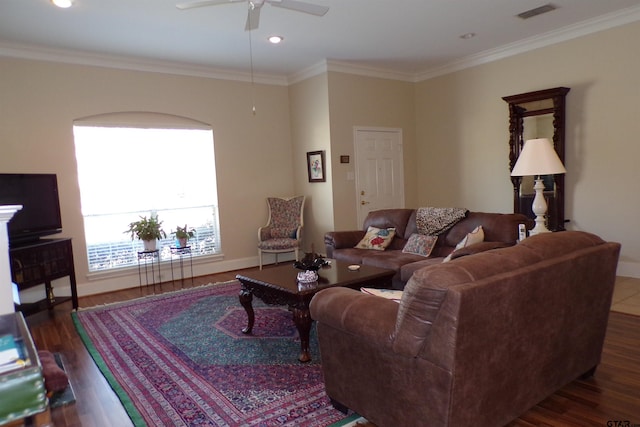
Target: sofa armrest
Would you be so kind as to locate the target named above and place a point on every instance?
(343, 239)
(353, 312)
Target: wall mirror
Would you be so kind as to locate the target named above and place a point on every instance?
(539, 114)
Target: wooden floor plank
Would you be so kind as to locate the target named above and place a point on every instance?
(612, 394)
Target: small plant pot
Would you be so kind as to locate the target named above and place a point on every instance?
(182, 242)
(150, 245)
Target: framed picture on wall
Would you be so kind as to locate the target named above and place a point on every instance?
(315, 166)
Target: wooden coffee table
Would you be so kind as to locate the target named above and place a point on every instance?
(279, 286)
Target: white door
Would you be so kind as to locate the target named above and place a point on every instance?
(379, 170)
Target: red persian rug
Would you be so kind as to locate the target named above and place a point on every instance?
(181, 359)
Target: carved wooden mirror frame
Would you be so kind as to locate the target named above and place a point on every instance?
(539, 114)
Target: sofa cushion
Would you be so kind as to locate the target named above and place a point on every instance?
(351, 255)
(277, 244)
(377, 238)
(392, 259)
(283, 232)
(420, 244)
(391, 218)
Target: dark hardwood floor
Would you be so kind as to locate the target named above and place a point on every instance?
(612, 395)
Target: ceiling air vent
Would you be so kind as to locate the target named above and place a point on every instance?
(537, 11)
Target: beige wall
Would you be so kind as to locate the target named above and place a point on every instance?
(310, 132)
(40, 101)
(455, 131)
(367, 102)
(462, 133)
(324, 111)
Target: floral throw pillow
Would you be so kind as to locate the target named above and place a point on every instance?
(476, 236)
(420, 244)
(377, 238)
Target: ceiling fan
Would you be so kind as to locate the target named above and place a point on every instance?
(253, 18)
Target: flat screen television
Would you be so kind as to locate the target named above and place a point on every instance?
(40, 213)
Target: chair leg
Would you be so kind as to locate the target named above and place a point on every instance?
(260, 258)
(297, 254)
(276, 258)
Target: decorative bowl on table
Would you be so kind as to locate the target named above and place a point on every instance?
(307, 276)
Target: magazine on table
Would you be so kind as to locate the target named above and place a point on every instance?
(10, 354)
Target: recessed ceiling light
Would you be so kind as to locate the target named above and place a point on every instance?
(275, 39)
(468, 36)
(62, 3)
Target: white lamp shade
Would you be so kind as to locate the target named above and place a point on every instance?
(538, 157)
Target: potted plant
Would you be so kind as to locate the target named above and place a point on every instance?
(149, 230)
(183, 234)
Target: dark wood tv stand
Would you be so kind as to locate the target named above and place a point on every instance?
(41, 262)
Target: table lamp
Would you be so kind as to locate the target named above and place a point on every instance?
(538, 157)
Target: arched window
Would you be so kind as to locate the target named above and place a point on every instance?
(145, 164)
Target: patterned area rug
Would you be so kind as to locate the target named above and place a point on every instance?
(180, 359)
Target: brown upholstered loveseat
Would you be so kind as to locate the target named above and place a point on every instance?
(473, 342)
(500, 230)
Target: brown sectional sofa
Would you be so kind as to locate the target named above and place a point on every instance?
(500, 230)
(473, 342)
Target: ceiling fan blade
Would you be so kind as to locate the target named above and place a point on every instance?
(202, 3)
(253, 18)
(300, 6)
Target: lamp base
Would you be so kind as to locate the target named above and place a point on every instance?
(539, 208)
(540, 227)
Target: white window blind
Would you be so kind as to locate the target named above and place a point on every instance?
(127, 172)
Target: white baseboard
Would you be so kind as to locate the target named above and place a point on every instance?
(128, 278)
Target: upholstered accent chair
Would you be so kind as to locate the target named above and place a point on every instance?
(283, 231)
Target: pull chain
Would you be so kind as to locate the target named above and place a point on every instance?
(253, 90)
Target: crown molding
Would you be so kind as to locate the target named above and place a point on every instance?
(349, 68)
(312, 71)
(601, 23)
(38, 53)
(605, 22)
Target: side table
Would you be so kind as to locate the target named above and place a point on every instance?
(22, 390)
(181, 254)
(151, 262)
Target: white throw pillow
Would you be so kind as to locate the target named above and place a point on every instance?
(476, 236)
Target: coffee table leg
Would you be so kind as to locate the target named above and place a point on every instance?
(246, 297)
(302, 319)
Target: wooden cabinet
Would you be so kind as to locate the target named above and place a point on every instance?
(40, 263)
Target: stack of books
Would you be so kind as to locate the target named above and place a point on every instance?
(10, 354)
